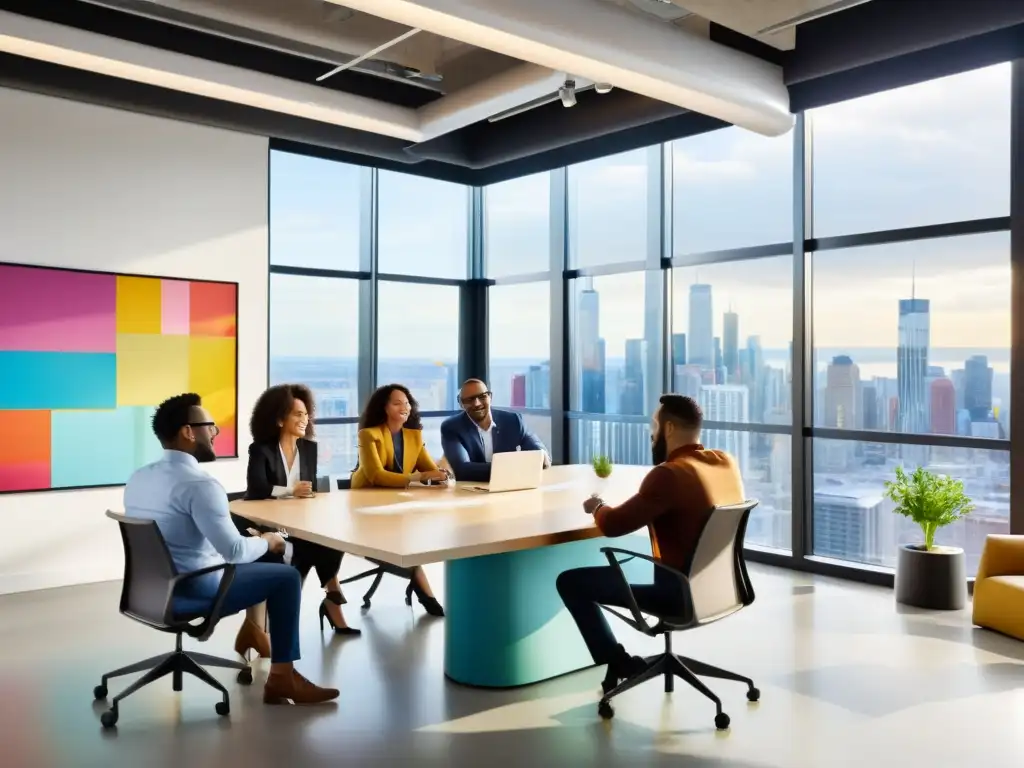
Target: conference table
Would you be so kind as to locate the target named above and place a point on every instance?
(505, 624)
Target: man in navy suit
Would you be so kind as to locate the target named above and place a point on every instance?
(470, 439)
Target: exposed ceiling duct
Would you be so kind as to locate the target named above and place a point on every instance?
(67, 46)
(610, 44)
(313, 29)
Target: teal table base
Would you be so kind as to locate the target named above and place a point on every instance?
(505, 624)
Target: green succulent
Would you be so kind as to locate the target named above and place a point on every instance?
(602, 466)
(930, 500)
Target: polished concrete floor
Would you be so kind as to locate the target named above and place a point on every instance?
(847, 679)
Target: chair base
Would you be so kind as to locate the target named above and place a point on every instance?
(378, 573)
(177, 664)
(670, 666)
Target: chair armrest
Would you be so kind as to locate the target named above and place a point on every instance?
(208, 624)
(1003, 555)
(639, 622)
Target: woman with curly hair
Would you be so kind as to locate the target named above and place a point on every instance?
(282, 464)
(392, 455)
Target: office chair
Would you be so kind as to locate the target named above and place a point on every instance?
(325, 485)
(715, 585)
(150, 579)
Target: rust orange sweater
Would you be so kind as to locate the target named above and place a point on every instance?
(674, 500)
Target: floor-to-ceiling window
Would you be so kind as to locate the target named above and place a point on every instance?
(876, 335)
(616, 284)
(910, 297)
(339, 329)
(316, 240)
(517, 245)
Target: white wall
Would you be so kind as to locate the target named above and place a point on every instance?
(96, 188)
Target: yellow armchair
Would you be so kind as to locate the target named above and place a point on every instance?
(999, 586)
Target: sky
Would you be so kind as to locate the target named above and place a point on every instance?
(925, 154)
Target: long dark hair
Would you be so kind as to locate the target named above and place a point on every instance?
(273, 408)
(375, 413)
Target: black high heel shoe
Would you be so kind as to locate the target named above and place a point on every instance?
(337, 599)
(430, 604)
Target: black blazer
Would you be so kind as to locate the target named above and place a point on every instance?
(266, 468)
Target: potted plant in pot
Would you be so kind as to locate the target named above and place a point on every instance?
(927, 575)
(602, 466)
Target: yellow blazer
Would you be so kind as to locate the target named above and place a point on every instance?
(377, 451)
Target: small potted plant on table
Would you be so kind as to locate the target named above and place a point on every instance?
(927, 575)
(602, 466)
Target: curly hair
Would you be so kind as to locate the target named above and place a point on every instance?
(375, 413)
(273, 408)
(173, 414)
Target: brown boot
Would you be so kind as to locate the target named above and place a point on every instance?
(251, 637)
(291, 686)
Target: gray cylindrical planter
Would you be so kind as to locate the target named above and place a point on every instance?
(935, 579)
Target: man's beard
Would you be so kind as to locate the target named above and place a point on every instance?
(204, 453)
(659, 450)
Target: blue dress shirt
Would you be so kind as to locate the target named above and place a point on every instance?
(191, 509)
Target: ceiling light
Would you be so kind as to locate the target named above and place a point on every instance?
(603, 87)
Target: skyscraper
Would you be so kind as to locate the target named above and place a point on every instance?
(592, 363)
(631, 399)
(841, 398)
(978, 388)
(679, 349)
(912, 365)
(538, 386)
(518, 398)
(943, 407)
(678, 357)
(701, 333)
(870, 410)
(730, 344)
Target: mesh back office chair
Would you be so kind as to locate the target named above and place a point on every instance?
(150, 579)
(716, 585)
(325, 485)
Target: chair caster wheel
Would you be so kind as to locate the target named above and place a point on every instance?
(99, 692)
(109, 718)
(753, 695)
(245, 676)
(223, 708)
(721, 721)
(604, 709)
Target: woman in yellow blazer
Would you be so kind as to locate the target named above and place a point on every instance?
(392, 455)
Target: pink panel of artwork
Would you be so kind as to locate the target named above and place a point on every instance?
(57, 311)
(174, 307)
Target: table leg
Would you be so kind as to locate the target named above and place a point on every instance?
(505, 624)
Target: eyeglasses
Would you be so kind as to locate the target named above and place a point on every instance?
(214, 429)
(473, 398)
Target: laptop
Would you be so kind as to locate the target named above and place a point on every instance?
(512, 471)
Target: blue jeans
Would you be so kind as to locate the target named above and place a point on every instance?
(278, 584)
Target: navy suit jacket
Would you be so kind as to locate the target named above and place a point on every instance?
(464, 448)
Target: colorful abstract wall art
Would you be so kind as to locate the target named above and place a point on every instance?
(85, 358)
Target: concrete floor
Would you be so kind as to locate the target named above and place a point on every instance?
(847, 679)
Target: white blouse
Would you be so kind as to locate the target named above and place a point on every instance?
(294, 472)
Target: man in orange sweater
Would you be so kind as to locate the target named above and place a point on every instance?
(674, 502)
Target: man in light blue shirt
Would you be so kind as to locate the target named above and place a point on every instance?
(191, 509)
